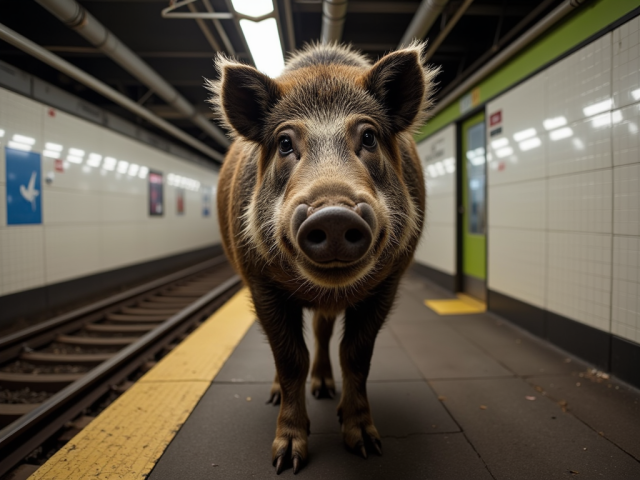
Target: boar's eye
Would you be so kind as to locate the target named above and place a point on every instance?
(286, 145)
(369, 139)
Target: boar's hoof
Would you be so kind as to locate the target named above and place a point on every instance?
(359, 439)
(323, 388)
(334, 234)
(285, 448)
(274, 398)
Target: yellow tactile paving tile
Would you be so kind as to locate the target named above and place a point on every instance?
(126, 440)
(463, 305)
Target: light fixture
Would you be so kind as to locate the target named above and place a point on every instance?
(603, 120)
(133, 169)
(253, 8)
(635, 94)
(264, 43)
(143, 172)
(74, 159)
(76, 152)
(1, 133)
(51, 154)
(449, 164)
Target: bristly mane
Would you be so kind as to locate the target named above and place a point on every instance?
(325, 54)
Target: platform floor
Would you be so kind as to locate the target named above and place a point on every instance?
(454, 397)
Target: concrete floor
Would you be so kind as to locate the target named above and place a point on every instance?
(457, 397)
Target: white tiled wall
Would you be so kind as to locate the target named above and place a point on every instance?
(93, 219)
(437, 245)
(564, 211)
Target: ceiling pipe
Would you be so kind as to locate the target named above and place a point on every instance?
(79, 19)
(26, 45)
(424, 18)
(519, 44)
(433, 46)
(333, 15)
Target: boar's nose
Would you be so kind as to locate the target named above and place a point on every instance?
(334, 233)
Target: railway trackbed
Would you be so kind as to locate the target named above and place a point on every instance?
(53, 373)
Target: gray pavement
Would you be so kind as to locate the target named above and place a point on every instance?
(458, 397)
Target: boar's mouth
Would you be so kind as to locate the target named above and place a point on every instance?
(334, 236)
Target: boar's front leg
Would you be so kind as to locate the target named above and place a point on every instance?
(322, 383)
(361, 326)
(281, 320)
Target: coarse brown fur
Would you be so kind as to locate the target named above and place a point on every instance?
(324, 101)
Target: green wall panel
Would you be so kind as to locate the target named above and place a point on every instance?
(586, 21)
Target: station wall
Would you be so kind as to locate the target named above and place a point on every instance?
(437, 247)
(95, 210)
(563, 195)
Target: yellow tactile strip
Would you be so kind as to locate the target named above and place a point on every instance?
(463, 305)
(126, 440)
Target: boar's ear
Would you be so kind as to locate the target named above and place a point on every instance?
(404, 87)
(242, 98)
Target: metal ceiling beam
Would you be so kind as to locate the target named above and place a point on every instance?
(557, 14)
(424, 18)
(79, 19)
(333, 15)
(103, 89)
(433, 46)
(361, 7)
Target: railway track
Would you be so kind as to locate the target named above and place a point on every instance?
(52, 372)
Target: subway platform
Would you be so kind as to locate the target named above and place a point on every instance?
(453, 397)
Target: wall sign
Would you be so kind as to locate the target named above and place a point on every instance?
(156, 194)
(24, 187)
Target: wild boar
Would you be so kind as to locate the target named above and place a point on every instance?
(321, 201)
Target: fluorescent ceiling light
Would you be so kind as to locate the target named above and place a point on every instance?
(74, 159)
(143, 172)
(524, 134)
(504, 152)
(77, 152)
(133, 169)
(560, 133)
(530, 144)
(19, 146)
(499, 143)
(635, 94)
(551, 123)
(264, 43)
(56, 147)
(598, 107)
(109, 163)
(253, 8)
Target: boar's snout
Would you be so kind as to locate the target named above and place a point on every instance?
(334, 233)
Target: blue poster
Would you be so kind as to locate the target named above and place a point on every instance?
(24, 189)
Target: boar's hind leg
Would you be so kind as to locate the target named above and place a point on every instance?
(322, 384)
(275, 395)
(282, 322)
(361, 326)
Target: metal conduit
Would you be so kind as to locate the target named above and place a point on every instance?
(529, 36)
(77, 18)
(425, 16)
(58, 63)
(333, 15)
(447, 29)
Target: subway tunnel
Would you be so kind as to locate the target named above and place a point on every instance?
(193, 192)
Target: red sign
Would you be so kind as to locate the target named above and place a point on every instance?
(58, 165)
(495, 118)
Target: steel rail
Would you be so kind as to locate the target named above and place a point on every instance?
(25, 434)
(12, 344)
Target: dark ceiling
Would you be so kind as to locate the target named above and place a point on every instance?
(179, 51)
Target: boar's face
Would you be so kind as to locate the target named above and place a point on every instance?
(331, 143)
